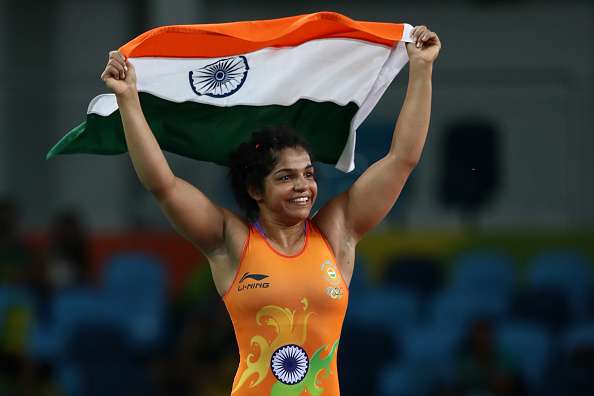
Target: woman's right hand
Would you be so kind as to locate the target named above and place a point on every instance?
(119, 74)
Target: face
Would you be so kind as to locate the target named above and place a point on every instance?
(290, 189)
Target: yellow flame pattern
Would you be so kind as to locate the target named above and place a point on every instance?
(284, 322)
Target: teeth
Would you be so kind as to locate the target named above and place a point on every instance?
(300, 200)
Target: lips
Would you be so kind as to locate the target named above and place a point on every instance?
(300, 200)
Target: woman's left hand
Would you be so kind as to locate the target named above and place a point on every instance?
(425, 46)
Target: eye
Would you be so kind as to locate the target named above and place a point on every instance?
(284, 178)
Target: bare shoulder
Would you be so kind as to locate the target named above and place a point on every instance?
(331, 221)
(225, 260)
(235, 232)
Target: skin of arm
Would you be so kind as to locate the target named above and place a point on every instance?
(191, 213)
(346, 218)
(373, 195)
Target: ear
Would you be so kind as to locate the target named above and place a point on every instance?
(255, 193)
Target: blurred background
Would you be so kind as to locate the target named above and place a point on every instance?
(479, 282)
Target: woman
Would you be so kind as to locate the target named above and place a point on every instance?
(284, 278)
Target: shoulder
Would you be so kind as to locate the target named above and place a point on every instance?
(333, 225)
(224, 261)
(235, 234)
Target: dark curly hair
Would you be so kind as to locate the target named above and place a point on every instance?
(252, 161)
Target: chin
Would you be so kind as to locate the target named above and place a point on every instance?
(302, 215)
(299, 215)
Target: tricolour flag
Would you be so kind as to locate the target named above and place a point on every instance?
(205, 88)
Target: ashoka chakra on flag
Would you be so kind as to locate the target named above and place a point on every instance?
(221, 78)
(205, 88)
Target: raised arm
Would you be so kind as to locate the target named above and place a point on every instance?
(189, 210)
(371, 197)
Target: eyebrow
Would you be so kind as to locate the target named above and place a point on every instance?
(292, 169)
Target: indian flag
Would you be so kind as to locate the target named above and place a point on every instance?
(205, 88)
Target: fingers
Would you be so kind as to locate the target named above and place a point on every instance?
(117, 65)
(428, 38)
(117, 55)
(416, 34)
(111, 72)
(421, 35)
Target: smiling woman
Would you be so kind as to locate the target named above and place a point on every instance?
(269, 162)
(282, 275)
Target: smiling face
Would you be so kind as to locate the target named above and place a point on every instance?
(290, 189)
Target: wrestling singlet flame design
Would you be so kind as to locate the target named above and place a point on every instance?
(282, 320)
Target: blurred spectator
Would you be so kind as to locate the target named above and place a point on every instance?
(205, 341)
(572, 374)
(13, 365)
(15, 314)
(483, 369)
(15, 257)
(68, 263)
(19, 375)
(576, 374)
(203, 354)
(65, 263)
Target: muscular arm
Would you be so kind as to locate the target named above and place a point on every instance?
(353, 213)
(192, 214)
(372, 196)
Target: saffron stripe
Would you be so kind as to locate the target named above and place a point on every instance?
(224, 39)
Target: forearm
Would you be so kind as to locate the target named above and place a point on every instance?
(147, 157)
(372, 196)
(411, 128)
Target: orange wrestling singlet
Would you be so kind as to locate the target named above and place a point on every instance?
(287, 312)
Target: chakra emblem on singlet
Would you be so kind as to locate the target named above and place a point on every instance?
(289, 364)
(221, 78)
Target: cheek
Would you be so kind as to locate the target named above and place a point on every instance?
(277, 192)
(314, 188)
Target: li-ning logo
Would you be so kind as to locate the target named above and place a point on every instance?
(254, 285)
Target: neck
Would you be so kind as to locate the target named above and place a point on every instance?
(282, 234)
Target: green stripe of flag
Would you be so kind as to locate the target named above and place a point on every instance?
(209, 133)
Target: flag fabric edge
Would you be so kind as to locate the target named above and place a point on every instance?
(247, 36)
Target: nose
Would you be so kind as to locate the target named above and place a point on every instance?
(300, 183)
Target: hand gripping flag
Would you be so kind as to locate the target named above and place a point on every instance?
(205, 88)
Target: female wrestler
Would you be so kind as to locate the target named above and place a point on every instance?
(283, 276)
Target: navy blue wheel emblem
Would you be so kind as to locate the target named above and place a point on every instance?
(221, 78)
(289, 364)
